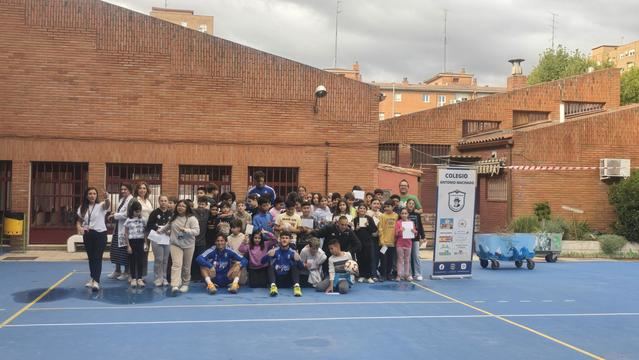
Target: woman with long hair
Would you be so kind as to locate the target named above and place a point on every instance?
(91, 225)
(142, 193)
(183, 228)
(119, 253)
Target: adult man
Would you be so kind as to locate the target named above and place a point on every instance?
(343, 233)
(260, 188)
(404, 196)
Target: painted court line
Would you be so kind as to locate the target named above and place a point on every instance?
(26, 307)
(352, 318)
(128, 307)
(513, 323)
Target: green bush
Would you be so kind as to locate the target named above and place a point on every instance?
(611, 244)
(554, 226)
(577, 230)
(624, 197)
(542, 211)
(524, 224)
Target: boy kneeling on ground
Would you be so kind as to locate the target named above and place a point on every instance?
(221, 264)
(339, 279)
(285, 264)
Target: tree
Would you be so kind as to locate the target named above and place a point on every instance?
(630, 86)
(624, 197)
(560, 63)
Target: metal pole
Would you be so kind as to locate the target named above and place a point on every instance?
(336, 23)
(445, 39)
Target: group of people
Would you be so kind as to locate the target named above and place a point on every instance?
(303, 240)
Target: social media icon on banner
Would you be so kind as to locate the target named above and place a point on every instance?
(463, 266)
(452, 266)
(441, 267)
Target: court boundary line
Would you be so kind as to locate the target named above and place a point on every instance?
(352, 318)
(44, 293)
(196, 306)
(513, 323)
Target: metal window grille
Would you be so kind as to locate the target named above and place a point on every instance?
(282, 179)
(132, 174)
(472, 127)
(578, 108)
(389, 154)
(496, 188)
(5, 185)
(521, 118)
(428, 154)
(56, 193)
(194, 176)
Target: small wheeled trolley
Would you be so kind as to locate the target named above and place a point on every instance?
(493, 248)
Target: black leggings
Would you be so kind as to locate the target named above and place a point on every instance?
(136, 259)
(94, 245)
(387, 262)
(286, 280)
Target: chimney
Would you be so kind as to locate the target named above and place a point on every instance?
(356, 66)
(517, 79)
(405, 81)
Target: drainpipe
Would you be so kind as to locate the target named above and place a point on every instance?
(392, 115)
(509, 211)
(326, 168)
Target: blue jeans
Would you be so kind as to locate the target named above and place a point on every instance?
(415, 264)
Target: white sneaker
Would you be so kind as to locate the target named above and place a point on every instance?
(360, 280)
(370, 281)
(165, 282)
(174, 290)
(114, 275)
(419, 278)
(184, 288)
(409, 278)
(96, 286)
(157, 282)
(134, 283)
(141, 283)
(123, 276)
(89, 284)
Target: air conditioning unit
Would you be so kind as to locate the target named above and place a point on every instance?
(614, 168)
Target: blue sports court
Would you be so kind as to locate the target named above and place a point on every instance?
(565, 310)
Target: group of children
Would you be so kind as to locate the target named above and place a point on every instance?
(277, 244)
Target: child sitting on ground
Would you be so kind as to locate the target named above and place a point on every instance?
(221, 266)
(285, 264)
(312, 257)
(338, 278)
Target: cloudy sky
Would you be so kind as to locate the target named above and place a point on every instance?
(404, 38)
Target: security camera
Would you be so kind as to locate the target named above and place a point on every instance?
(320, 91)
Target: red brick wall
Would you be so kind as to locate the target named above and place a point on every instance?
(84, 80)
(580, 142)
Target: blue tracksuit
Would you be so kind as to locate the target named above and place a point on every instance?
(220, 260)
(263, 191)
(282, 261)
(263, 221)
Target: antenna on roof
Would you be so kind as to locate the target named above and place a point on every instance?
(337, 11)
(445, 40)
(552, 41)
(166, 4)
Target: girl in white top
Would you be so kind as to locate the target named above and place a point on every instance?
(91, 225)
(183, 228)
(142, 193)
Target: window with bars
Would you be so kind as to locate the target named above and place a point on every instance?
(389, 154)
(194, 176)
(472, 127)
(521, 118)
(133, 174)
(5, 185)
(56, 193)
(574, 108)
(496, 188)
(428, 154)
(282, 179)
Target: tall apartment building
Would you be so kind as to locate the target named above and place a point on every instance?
(442, 89)
(622, 56)
(186, 18)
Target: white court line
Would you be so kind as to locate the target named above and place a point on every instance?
(407, 317)
(128, 307)
(502, 301)
(524, 301)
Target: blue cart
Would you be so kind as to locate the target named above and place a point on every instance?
(494, 248)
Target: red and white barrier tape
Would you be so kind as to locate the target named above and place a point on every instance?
(559, 168)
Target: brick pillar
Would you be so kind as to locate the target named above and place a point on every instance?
(516, 82)
(404, 155)
(239, 176)
(97, 176)
(170, 174)
(20, 182)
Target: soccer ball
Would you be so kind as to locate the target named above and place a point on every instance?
(351, 267)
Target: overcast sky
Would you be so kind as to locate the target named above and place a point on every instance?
(404, 38)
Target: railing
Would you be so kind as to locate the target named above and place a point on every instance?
(472, 127)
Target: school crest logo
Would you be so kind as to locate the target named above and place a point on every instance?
(456, 200)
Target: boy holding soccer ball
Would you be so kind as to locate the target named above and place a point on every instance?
(340, 268)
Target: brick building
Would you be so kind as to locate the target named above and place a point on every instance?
(186, 18)
(570, 122)
(621, 56)
(95, 94)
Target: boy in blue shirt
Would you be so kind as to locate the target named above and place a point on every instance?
(263, 219)
(221, 264)
(285, 264)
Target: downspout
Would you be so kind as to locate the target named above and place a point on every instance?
(326, 168)
(509, 212)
